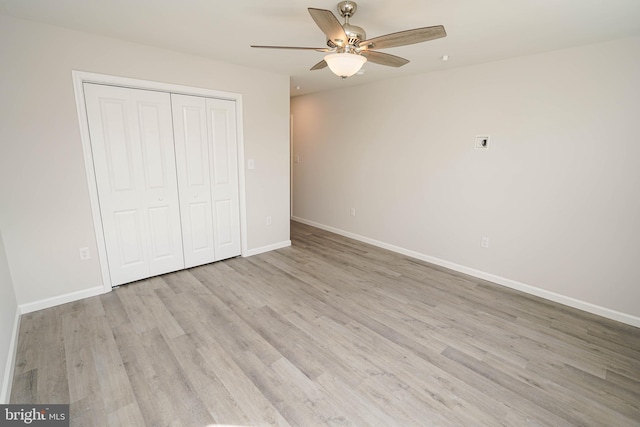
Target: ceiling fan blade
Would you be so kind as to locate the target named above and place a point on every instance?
(319, 66)
(329, 25)
(402, 38)
(384, 58)
(317, 49)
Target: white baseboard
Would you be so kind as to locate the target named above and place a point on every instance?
(9, 369)
(267, 248)
(532, 290)
(61, 299)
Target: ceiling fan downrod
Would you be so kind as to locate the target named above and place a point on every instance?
(354, 33)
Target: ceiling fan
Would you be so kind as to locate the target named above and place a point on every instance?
(348, 44)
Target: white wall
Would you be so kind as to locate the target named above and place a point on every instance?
(8, 313)
(557, 193)
(45, 214)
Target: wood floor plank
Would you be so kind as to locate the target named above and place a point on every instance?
(322, 405)
(52, 369)
(128, 415)
(206, 383)
(174, 381)
(81, 369)
(25, 387)
(358, 405)
(628, 384)
(154, 400)
(114, 383)
(87, 412)
(290, 402)
(590, 388)
(254, 404)
(329, 331)
(187, 315)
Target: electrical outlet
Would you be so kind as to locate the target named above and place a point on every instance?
(84, 254)
(251, 164)
(353, 211)
(296, 158)
(484, 242)
(268, 220)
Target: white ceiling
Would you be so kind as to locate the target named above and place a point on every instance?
(478, 30)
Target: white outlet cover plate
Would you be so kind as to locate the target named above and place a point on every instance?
(84, 254)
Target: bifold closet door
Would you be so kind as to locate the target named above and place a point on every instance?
(207, 166)
(133, 152)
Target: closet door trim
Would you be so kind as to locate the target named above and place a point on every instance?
(81, 77)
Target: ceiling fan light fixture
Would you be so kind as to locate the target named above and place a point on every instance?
(345, 64)
(351, 47)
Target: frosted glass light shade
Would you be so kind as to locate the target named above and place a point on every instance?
(345, 64)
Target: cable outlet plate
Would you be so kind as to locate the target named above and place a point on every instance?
(482, 142)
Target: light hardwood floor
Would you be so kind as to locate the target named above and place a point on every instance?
(327, 332)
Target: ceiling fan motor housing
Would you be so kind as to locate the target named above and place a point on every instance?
(354, 33)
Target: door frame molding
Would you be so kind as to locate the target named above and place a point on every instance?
(81, 77)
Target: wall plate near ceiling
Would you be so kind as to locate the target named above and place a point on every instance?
(482, 142)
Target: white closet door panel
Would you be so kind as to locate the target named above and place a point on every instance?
(200, 221)
(129, 238)
(194, 178)
(224, 165)
(155, 150)
(160, 194)
(162, 242)
(194, 144)
(131, 141)
(114, 150)
(224, 223)
(116, 144)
